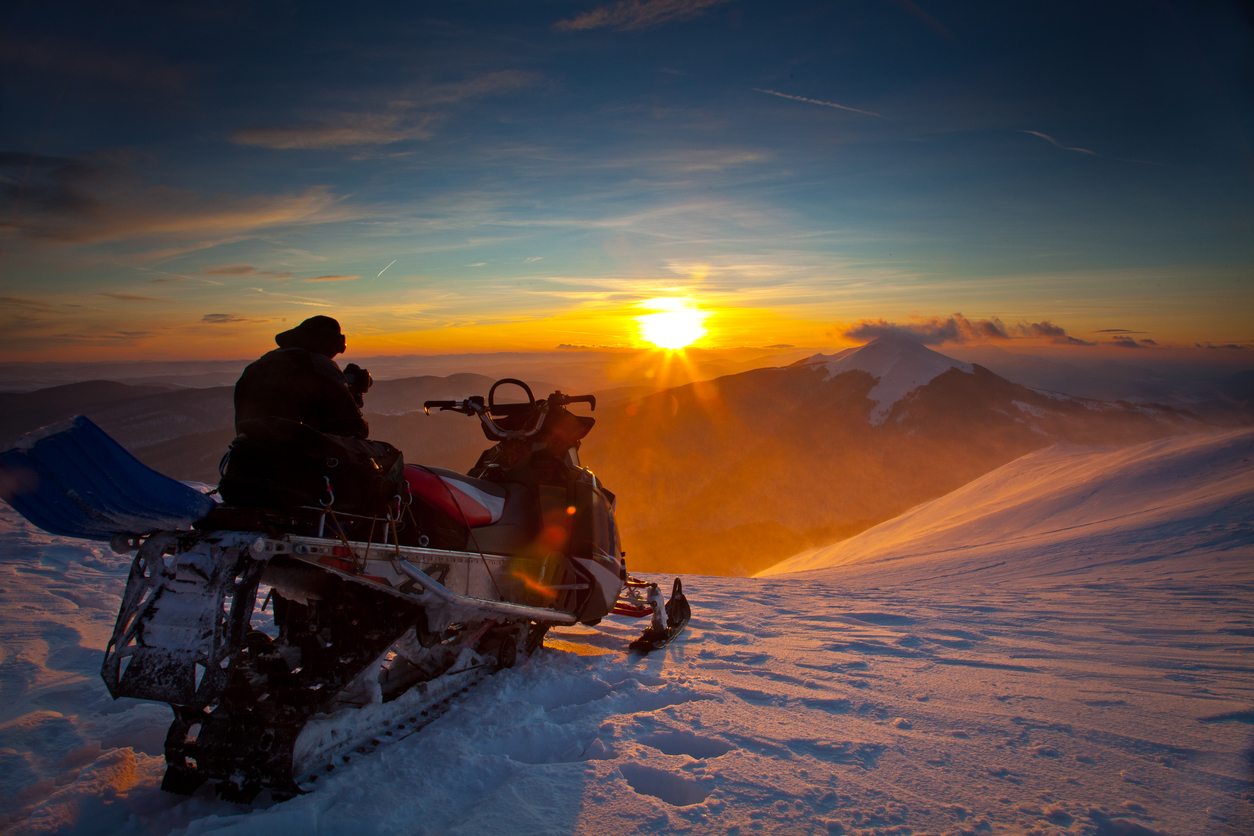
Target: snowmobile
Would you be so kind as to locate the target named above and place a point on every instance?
(381, 614)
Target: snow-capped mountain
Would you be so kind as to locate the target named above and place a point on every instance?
(899, 367)
(732, 475)
(1060, 647)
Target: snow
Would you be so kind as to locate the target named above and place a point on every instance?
(901, 366)
(1076, 512)
(1063, 647)
(1034, 411)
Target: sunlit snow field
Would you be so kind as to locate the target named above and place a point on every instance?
(1067, 647)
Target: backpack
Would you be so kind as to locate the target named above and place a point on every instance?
(280, 463)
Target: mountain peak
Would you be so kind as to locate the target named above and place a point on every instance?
(900, 365)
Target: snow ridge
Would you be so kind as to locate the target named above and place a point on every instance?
(901, 366)
(1067, 510)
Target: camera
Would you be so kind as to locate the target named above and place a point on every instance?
(358, 379)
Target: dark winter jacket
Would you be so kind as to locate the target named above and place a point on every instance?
(302, 386)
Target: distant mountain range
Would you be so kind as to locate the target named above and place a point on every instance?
(726, 476)
(579, 368)
(185, 432)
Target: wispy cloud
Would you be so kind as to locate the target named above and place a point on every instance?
(27, 304)
(958, 329)
(682, 160)
(406, 117)
(819, 102)
(330, 278)
(629, 15)
(124, 338)
(429, 94)
(347, 130)
(132, 297)
(69, 201)
(167, 277)
(228, 319)
(291, 299)
(245, 270)
(230, 270)
(1058, 144)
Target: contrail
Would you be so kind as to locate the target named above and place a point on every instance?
(1058, 144)
(818, 102)
(385, 269)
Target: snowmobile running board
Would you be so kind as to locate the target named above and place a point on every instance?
(391, 570)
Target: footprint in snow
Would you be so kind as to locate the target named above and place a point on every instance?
(687, 743)
(884, 619)
(673, 789)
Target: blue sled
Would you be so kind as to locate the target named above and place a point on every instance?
(72, 479)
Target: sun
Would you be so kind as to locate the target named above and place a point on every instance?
(676, 324)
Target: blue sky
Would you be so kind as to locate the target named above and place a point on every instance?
(179, 180)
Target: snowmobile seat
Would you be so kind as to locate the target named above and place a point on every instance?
(502, 516)
(476, 501)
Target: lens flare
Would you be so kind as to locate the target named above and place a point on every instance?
(676, 324)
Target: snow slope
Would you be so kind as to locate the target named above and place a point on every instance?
(909, 696)
(901, 366)
(1150, 510)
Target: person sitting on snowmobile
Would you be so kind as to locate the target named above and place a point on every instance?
(301, 438)
(278, 460)
(300, 381)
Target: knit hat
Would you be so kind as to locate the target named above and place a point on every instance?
(319, 334)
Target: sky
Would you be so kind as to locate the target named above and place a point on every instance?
(182, 181)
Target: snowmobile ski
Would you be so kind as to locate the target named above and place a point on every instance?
(655, 637)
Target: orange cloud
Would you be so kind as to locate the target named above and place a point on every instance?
(957, 329)
(356, 129)
(95, 201)
(156, 211)
(331, 278)
(244, 270)
(230, 270)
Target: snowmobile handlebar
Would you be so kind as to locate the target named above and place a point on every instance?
(478, 406)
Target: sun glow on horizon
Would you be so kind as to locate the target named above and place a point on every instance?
(676, 324)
